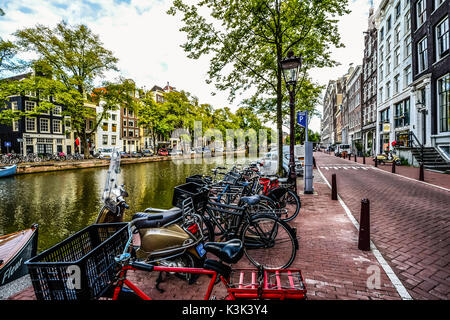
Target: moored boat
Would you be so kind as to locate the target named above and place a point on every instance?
(15, 249)
(8, 171)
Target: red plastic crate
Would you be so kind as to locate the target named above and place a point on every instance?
(270, 284)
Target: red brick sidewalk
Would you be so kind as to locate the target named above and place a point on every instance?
(410, 221)
(436, 178)
(328, 255)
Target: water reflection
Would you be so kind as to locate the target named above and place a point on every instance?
(65, 202)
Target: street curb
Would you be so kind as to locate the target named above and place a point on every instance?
(387, 269)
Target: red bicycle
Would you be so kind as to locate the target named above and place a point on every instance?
(240, 283)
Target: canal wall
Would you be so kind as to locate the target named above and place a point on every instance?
(49, 166)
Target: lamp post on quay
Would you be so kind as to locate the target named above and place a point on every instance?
(290, 67)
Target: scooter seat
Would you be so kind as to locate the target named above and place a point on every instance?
(229, 252)
(273, 179)
(251, 200)
(283, 180)
(167, 217)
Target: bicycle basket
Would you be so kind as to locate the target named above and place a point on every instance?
(196, 191)
(231, 178)
(82, 266)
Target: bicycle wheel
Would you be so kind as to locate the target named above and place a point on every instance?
(293, 205)
(269, 242)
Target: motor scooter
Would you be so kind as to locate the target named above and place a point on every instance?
(175, 239)
(388, 158)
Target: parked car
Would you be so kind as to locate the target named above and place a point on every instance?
(270, 164)
(136, 154)
(124, 154)
(147, 153)
(105, 153)
(163, 152)
(175, 152)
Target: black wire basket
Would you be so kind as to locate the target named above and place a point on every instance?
(82, 267)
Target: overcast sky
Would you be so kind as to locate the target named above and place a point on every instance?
(147, 40)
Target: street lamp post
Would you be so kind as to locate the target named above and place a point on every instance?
(290, 67)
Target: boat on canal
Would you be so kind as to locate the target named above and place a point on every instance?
(8, 171)
(15, 249)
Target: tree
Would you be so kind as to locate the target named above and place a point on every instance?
(247, 40)
(76, 57)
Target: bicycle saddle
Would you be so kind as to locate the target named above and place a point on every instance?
(229, 252)
(283, 180)
(167, 217)
(251, 200)
(273, 179)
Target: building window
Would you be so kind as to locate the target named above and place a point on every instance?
(388, 90)
(388, 45)
(131, 123)
(14, 106)
(384, 115)
(437, 3)
(113, 140)
(105, 139)
(381, 54)
(397, 34)
(388, 24)
(407, 47)
(422, 55)
(381, 38)
(407, 76)
(397, 84)
(113, 127)
(124, 111)
(124, 133)
(130, 133)
(381, 94)
(407, 22)
(15, 125)
(442, 39)
(57, 111)
(44, 125)
(105, 126)
(30, 124)
(388, 65)
(421, 12)
(30, 105)
(113, 117)
(396, 57)
(401, 116)
(444, 103)
(130, 113)
(57, 128)
(398, 10)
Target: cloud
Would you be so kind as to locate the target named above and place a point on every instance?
(147, 40)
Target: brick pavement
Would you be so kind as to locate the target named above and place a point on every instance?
(331, 263)
(410, 222)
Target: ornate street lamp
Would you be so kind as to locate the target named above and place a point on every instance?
(290, 67)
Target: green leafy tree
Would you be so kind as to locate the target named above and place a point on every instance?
(76, 57)
(248, 39)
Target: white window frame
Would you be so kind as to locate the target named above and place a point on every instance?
(34, 125)
(57, 110)
(438, 105)
(27, 105)
(421, 15)
(15, 125)
(422, 51)
(47, 121)
(439, 54)
(55, 125)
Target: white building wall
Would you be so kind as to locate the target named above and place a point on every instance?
(109, 132)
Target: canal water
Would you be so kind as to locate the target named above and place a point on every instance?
(63, 203)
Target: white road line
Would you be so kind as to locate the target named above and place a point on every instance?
(356, 168)
(326, 168)
(387, 269)
(345, 168)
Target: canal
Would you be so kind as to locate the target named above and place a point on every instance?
(63, 203)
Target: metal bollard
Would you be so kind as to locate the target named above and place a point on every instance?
(364, 159)
(349, 156)
(376, 161)
(364, 226)
(421, 173)
(355, 157)
(393, 166)
(333, 187)
(314, 162)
